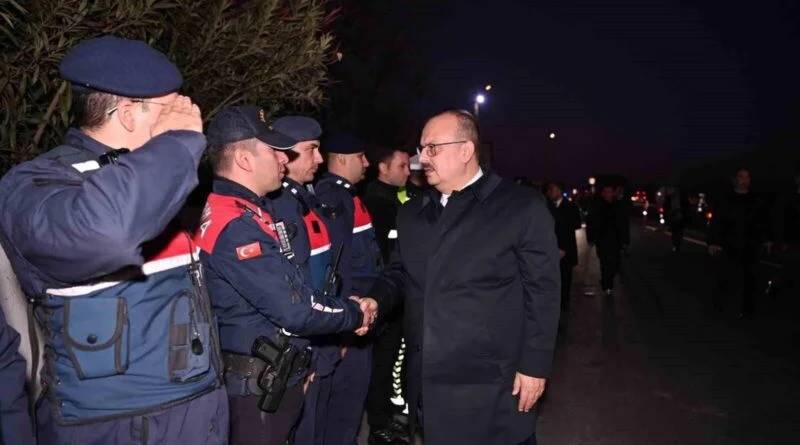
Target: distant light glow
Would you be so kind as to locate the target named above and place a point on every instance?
(644, 212)
(488, 88)
(592, 181)
(480, 98)
(552, 135)
(574, 191)
(661, 220)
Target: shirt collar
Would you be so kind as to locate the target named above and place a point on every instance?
(474, 179)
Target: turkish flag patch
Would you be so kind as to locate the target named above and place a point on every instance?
(251, 250)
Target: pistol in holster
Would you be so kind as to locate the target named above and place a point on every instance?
(282, 362)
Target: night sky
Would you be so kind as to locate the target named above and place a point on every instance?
(638, 87)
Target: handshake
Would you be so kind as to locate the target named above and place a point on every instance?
(370, 309)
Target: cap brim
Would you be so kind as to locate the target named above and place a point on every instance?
(276, 140)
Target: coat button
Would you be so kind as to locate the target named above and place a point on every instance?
(91, 339)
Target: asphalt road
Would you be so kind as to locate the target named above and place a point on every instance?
(656, 365)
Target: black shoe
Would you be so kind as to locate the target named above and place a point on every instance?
(385, 437)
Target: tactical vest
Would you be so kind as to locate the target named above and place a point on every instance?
(366, 261)
(320, 255)
(142, 339)
(219, 211)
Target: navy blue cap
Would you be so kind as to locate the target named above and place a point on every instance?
(344, 143)
(299, 128)
(123, 67)
(234, 124)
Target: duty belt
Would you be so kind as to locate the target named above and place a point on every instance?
(251, 367)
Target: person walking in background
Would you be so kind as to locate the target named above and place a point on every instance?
(608, 228)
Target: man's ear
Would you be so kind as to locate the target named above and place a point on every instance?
(124, 114)
(243, 159)
(468, 151)
(383, 168)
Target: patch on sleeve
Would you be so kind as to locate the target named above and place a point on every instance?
(251, 250)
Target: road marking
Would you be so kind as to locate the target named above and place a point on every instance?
(704, 244)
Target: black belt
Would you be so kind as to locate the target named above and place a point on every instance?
(251, 367)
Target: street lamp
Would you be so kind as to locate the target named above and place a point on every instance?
(479, 99)
(552, 135)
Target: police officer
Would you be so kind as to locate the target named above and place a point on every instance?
(296, 204)
(15, 424)
(383, 198)
(361, 265)
(259, 294)
(131, 350)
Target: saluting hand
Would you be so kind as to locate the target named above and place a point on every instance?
(529, 390)
(180, 114)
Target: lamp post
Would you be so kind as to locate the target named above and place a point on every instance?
(480, 98)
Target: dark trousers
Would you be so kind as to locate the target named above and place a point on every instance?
(348, 394)
(310, 430)
(385, 349)
(736, 267)
(251, 426)
(566, 283)
(610, 257)
(202, 421)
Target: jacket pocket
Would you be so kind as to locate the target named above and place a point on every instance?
(97, 336)
(189, 346)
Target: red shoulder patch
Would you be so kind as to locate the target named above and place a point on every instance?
(248, 251)
(219, 212)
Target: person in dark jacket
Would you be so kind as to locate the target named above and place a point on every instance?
(567, 219)
(15, 423)
(608, 229)
(383, 198)
(89, 228)
(736, 233)
(353, 232)
(476, 262)
(678, 215)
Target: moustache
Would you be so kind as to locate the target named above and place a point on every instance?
(426, 166)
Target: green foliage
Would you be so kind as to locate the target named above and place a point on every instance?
(267, 52)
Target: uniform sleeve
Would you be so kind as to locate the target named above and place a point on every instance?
(539, 270)
(15, 424)
(78, 230)
(251, 262)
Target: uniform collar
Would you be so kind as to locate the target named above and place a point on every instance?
(223, 186)
(340, 181)
(77, 138)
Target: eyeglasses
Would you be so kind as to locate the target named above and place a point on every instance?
(433, 149)
(111, 110)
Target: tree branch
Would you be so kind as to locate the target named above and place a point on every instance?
(46, 119)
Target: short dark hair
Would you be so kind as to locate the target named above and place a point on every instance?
(558, 184)
(220, 157)
(382, 153)
(467, 125)
(91, 108)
